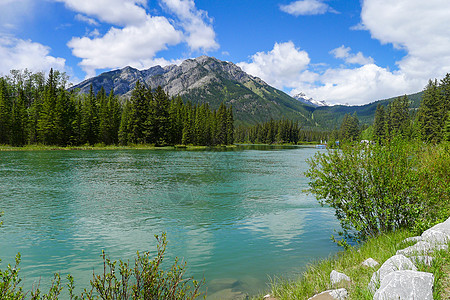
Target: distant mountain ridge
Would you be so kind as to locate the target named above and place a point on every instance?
(209, 80)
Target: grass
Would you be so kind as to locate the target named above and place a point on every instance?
(316, 278)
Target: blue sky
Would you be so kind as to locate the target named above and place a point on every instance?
(340, 51)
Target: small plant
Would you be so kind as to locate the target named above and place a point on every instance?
(120, 280)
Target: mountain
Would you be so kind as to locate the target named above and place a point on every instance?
(302, 98)
(207, 79)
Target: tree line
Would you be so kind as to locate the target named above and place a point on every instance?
(279, 132)
(39, 110)
(429, 123)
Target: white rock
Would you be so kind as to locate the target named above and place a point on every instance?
(339, 294)
(421, 248)
(395, 263)
(434, 236)
(336, 277)
(406, 285)
(370, 262)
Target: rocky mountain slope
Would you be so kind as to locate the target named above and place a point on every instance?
(209, 80)
(206, 79)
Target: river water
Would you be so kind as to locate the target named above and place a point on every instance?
(238, 217)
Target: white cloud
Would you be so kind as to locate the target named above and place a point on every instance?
(136, 37)
(24, 54)
(418, 27)
(415, 26)
(306, 7)
(117, 12)
(282, 67)
(133, 45)
(85, 19)
(200, 33)
(358, 58)
(357, 86)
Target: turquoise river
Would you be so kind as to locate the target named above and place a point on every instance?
(238, 217)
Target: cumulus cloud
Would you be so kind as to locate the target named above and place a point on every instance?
(24, 54)
(283, 67)
(358, 58)
(116, 12)
(136, 37)
(133, 45)
(306, 7)
(415, 26)
(197, 24)
(356, 86)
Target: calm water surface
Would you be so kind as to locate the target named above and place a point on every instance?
(237, 217)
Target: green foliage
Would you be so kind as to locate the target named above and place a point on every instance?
(35, 110)
(373, 188)
(350, 129)
(145, 279)
(279, 132)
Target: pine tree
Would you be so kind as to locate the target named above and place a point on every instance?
(90, 118)
(399, 116)
(429, 116)
(379, 124)
(230, 126)
(160, 117)
(5, 112)
(46, 123)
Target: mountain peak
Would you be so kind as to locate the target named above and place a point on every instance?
(310, 101)
(207, 80)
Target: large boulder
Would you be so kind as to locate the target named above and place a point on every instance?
(395, 263)
(436, 236)
(406, 285)
(421, 248)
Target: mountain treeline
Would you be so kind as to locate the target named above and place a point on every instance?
(279, 132)
(429, 123)
(39, 110)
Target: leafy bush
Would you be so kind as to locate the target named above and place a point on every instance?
(434, 183)
(145, 279)
(373, 188)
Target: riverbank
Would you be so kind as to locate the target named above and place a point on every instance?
(316, 278)
(38, 147)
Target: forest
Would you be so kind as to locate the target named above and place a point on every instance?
(39, 110)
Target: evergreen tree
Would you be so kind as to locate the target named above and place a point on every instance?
(90, 118)
(349, 130)
(159, 117)
(19, 119)
(429, 115)
(230, 126)
(399, 116)
(379, 124)
(5, 112)
(124, 129)
(47, 133)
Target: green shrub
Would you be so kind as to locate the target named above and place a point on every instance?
(373, 188)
